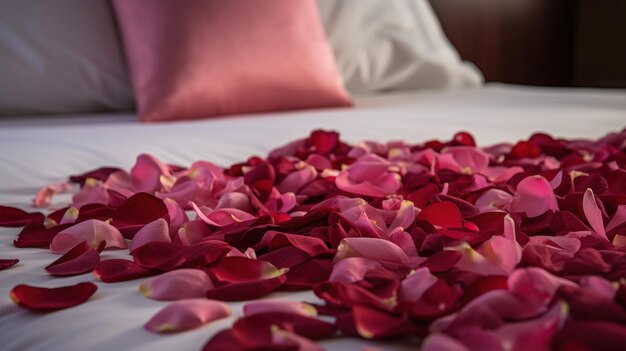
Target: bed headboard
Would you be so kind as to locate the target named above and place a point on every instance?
(538, 42)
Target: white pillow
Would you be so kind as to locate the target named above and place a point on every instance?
(393, 44)
(60, 56)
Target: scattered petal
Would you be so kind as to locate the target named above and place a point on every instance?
(178, 284)
(187, 314)
(49, 299)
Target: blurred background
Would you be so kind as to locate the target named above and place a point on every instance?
(580, 43)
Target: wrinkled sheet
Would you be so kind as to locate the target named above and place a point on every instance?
(37, 150)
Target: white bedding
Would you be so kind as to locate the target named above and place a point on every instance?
(39, 150)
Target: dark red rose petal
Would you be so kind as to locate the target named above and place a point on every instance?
(285, 257)
(119, 270)
(139, 210)
(37, 235)
(199, 254)
(8, 263)
(247, 290)
(308, 274)
(371, 323)
(101, 174)
(323, 142)
(442, 261)
(223, 341)
(590, 335)
(155, 253)
(78, 260)
(50, 299)
(15, 217)
(309, 327)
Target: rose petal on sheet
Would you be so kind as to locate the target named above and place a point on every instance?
(469, 158)
(222, 217)
(101, 174)
(238, 269)
(308, 274)
(414, 285)
(154, 254)
(443, 214)
(37, 235)
(92, 192)
(14, 217)
(295, 181)
(49, 299)
(373, 248)
(246, 290)
(178, 284)
(303, 325)
(323, 142)
(146, 173)
(352, 269)
(82, 258)
(119, 270)
(310, 245)
(534, 196)
(286, 306)
(593, 214)
(154, 231)
(504, 251)
(371, 323)
(92, 231)
(6, 263)
(45, 194)
(192, 232)
(137, 211)
(200, 254)
(187, 314)
(176, 214)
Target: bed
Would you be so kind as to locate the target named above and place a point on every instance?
(39, 150)
(408, 87)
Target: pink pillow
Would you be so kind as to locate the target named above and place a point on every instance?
(201, 58)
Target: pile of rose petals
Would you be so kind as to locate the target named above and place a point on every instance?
(442, 244)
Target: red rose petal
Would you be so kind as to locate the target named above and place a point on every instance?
(239, 269)
(50, 299)
(371, 323)
(154, 254)
(15, 217)
(38, 235)
(309, 327)
(200, 254)
(78, 260)
(100, 174)
(247, 290)
(444, 214)
(8, 263)
(119, 270)
(139, 210)
(187, 314)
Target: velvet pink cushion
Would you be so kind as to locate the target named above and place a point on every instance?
(194, 59)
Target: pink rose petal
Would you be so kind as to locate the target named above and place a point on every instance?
(178, 284)
(93, 232)
(286, 306)
(187, 314)
(154, 231)
(593, 214)
(534, 196)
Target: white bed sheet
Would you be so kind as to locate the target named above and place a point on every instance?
(38, 150)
